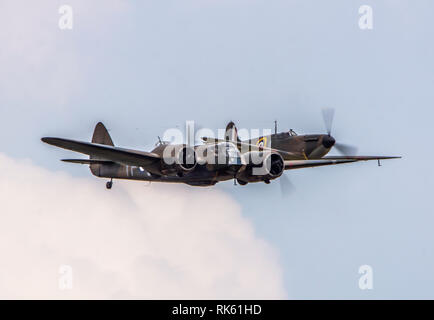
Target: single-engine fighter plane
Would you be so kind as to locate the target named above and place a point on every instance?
(261, 159)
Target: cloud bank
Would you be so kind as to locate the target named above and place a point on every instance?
(134, 241)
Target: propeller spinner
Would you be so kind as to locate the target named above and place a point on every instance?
(329, 141)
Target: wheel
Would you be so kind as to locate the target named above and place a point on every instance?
(109, 184)
(267, 181)
(241, 182)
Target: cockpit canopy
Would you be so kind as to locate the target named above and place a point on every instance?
(292, 133)
(286, 134)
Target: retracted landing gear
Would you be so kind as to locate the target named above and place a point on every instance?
(109, 184)
(241, 182)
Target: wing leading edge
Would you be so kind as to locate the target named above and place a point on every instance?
(327, 161)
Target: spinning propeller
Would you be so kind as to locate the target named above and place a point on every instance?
(286, 186)
(344, 149)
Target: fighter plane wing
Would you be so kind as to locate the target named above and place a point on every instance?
(360, 158)
(109, 153)
(327, 161)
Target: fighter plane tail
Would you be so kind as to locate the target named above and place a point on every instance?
(231, 133)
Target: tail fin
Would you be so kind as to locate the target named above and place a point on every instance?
(231, 133)
(101, 135)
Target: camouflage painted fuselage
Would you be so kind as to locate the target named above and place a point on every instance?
(216, 160)
(290, 147)
(293, 147)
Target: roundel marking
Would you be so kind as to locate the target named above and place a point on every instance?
(262, 142)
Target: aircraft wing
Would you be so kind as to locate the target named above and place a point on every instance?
(109, 153)
(88, 161)
(359, 158)
(332, 160)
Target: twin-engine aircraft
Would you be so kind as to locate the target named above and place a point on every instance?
(260, 159)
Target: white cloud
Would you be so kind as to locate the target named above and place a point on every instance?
(134, 241)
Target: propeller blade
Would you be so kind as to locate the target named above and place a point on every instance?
(328, 115)
(346, 149)
(286, 186)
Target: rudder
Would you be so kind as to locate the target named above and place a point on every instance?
(101, 135)
(231, 133)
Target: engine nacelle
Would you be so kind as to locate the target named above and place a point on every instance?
(261, 166)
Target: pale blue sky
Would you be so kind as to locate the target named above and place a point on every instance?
(154, 64)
